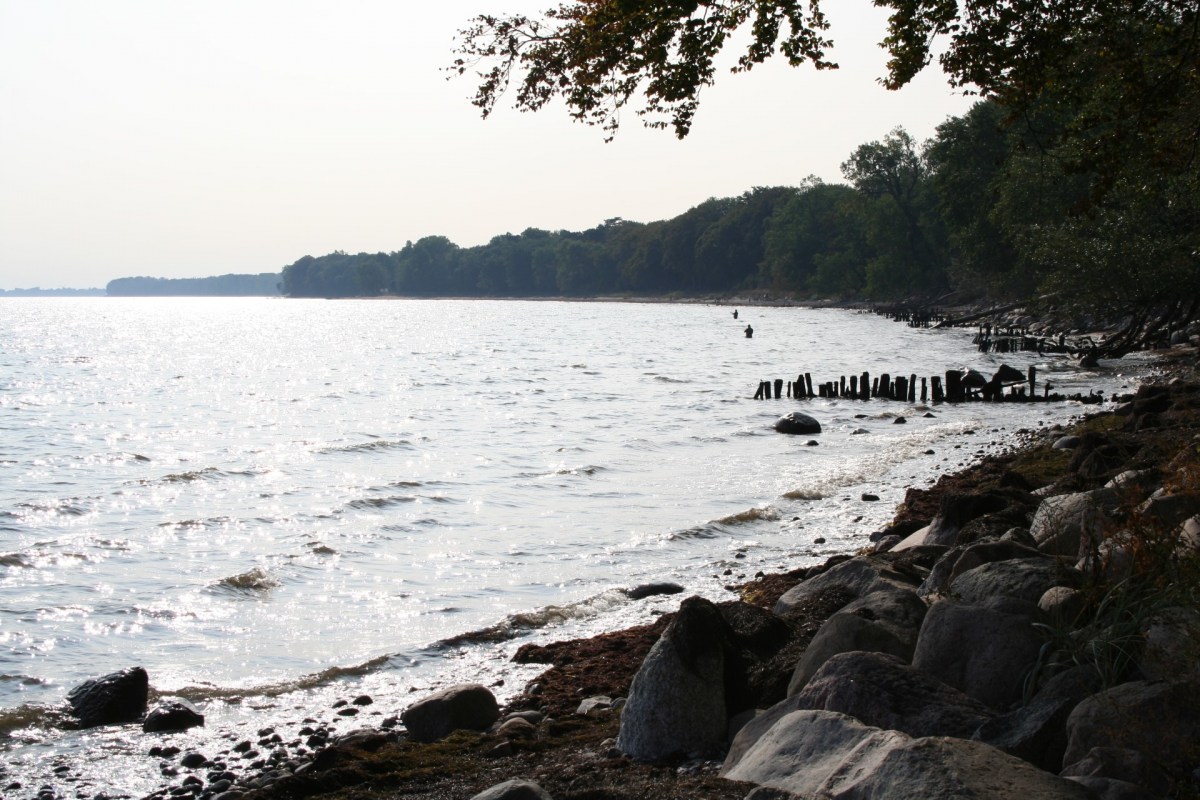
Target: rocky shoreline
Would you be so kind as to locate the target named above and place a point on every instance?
(1026, 625)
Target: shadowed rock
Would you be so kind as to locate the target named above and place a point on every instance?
(676, 701)
(111, 700)
(882, 691)
(172, 715)
(467, 706)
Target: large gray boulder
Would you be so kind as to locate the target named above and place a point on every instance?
(804, 750)
(514, 790)
(1160, 720)
(1104, 766)
(884, 621)
(983, 649)
(1037, 731)
(1172, 646)
(466, 706)
(882, 691)
(955, 512)
(1062, 522)
(820, 754)
(962, 559)
(1168, 511)
(113, 699)
(941, 768)
(1021, 578)
(859, 576)
(676, 701)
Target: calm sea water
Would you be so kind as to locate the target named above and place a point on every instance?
(272, 504)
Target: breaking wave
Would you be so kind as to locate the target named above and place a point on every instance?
(523, 622)
(379, 445)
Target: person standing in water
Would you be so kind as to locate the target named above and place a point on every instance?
(749, 332)
(735, 313)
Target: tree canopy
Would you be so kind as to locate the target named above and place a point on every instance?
(654, 56)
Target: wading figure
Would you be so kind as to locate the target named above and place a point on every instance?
(749, 332)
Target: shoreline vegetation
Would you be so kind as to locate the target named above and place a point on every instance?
(1058, 572)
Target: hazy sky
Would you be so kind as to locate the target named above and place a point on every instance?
(184, 139)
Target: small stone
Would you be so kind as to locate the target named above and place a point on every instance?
(363, 700)
(869, 498)
(193, 760)
(899, 421)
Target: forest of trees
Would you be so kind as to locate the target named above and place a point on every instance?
(263, 284)
(983, 208)
(1076, 177)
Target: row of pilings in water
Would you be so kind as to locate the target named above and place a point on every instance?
(956, 386)
(988, 338)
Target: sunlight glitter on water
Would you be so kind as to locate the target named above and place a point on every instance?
(270, 504)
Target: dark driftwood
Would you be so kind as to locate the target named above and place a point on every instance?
(950, 323)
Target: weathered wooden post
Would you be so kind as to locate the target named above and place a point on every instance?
(938, 394)
(842, 387)
(912, 388)
(758, 395)
(854, 386)
(1032, 382)
(954, 387)
(885, 386)
(808, 383)
(864, 386)
(778, 388)
(901, 388)
(924, 389)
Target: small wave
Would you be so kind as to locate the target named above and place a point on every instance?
(667, 379)
(520, 623)
(211, 522)
(376, 503)
(255, 580)
(805, 494)
(66, 508)
(231, 694)
(378, 445)
(698, 532)
(30, 715)
(768, 513)
(15, 560)
(584, 470)
(206, 474)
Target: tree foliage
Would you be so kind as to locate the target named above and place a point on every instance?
(599, 55)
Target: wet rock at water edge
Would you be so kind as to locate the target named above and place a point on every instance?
(470, 706)
(113, 699)
(172, 715)
(650, 589)
(796, 423)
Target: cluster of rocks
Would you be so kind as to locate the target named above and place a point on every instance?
(971, 657)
